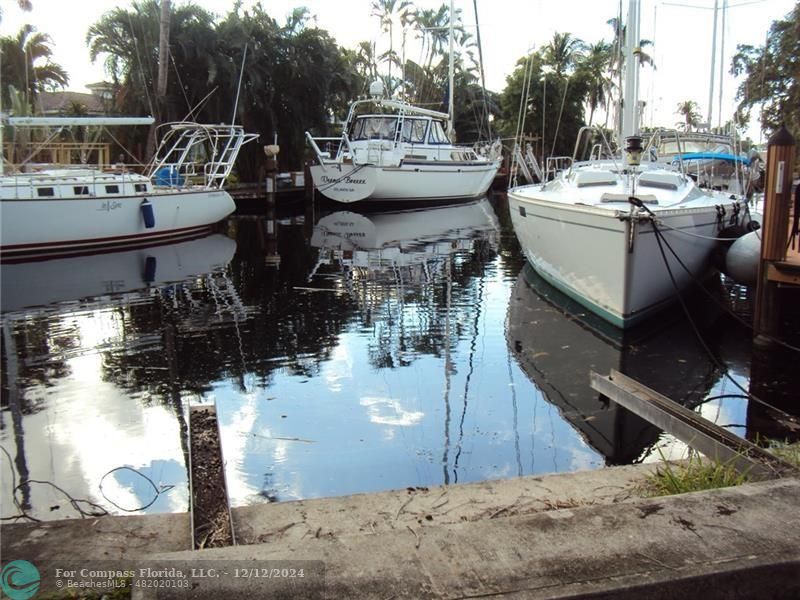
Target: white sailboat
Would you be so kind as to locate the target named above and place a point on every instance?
(391, 150)
(615, 234)
(72, 210)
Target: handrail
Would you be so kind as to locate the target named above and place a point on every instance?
(312, 142)
(578, 138)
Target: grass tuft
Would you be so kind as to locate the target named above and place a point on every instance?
(790, 452)
(692, 475)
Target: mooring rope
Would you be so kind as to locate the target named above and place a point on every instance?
(718, 363)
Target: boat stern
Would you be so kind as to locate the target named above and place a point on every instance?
(344, 182)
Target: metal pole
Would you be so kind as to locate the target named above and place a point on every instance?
(722, 62)
(713, 64)
(451, 77)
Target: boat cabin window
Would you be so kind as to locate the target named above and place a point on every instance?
(45, 192)
(140, 187)
(112, 189)
(80, 190)
(414, 130)
(437, 135)
(374, 128)
(463, 155)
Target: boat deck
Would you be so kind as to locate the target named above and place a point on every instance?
(787, 270)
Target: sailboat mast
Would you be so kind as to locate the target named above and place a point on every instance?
(713, 64)
(630, 107)
(450, 77)
(721, 61)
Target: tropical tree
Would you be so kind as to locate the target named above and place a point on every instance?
(553, 105)
(690, 111)
(27, 65)
(617, 64)
(365, 61)
(596, 67)
(563, 52)
(771, 76)
(388, 12)
(128, 40)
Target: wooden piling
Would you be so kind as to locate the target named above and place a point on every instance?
(271, 182)
(775, 230)
(307, 181)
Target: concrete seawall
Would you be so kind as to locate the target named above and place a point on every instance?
(585, 534)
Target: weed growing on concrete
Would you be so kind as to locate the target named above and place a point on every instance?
(790, 452)
(692, 475)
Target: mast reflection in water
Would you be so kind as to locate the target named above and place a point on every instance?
(350, 353)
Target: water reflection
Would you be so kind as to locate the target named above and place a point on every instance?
(90, 375)
(345, 352)
(557, 343)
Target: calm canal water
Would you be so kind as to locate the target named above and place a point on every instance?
(345, 353)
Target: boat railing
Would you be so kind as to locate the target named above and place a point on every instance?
(188, 146)
(651, 148)
(342, 145)
(600, 150)
(555, 165)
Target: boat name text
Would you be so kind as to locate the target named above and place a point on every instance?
(326, 179)
(110, 205)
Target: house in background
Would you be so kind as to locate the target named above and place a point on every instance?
(73, 146)
(97, 103)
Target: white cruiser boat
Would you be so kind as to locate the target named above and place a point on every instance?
(393, 151)
(72, 210)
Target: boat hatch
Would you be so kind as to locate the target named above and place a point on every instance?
(664, 181)
(646, 198)
(590, 178)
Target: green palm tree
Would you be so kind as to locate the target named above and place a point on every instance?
(690, 111)
(27, 64)
(563, 52)
(388, 11)
(596, 64)
(128, 41)
(618, 56)
(365, 61)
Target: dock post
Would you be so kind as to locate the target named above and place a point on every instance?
(270, 237)
(308, 184)
(775, 230)
(272, 151)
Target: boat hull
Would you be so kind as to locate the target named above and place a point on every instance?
(422, 181)
(80, 224)
(612, 266)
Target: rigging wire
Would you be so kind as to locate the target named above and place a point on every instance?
(180, 81)
(141, 67)
(715, 300)
(719, 364)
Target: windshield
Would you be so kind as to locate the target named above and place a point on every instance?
(414, 130)
(374, 128)
(438, 135)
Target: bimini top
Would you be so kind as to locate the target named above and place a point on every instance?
(713, 156)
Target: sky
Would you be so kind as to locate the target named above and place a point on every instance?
(680, 29)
